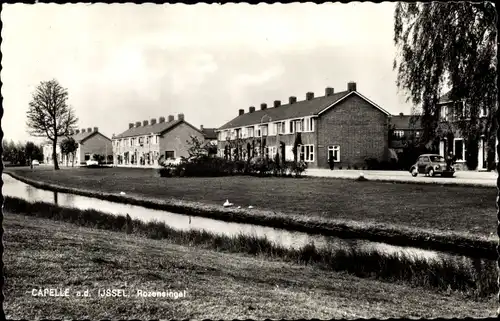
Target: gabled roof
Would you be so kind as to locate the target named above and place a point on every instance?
(209, 133)
(304, 108)
(405, 122)
(79, 138)
(157, 128)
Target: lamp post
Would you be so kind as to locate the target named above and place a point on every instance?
(261, 136)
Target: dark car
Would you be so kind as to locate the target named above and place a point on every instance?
(432, 164)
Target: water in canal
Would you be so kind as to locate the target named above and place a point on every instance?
(15, 188)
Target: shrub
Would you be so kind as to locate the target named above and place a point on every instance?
(298, 168)
(355, 167)
(372, 163)
(348, 166)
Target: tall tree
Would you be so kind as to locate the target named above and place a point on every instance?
(49, 114)
(68, 147)
(453, 44)
(29, 150)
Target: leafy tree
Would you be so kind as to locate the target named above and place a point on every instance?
(68, 147)
(29, 149)
(453, 44)
(49, 114)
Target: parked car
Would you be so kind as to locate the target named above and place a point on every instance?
(431, 165)
(35, 162)
(92, 162)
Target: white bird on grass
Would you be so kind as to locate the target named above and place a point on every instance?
(122, 193)
(250, 206)
(227, 204)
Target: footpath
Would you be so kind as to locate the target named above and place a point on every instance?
(467, 178)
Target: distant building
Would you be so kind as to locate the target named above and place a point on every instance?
(404, 130)
(90, 142)
(345, 126)
(148, 143)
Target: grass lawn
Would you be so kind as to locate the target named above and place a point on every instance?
(446, 208)
(41, 253)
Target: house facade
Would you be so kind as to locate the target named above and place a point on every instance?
(90, 142)
(452, 140)
(404, 130)
(346, 126)
(148, 143)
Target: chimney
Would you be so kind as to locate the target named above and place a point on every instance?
(170, 118)
(292, 100)
(137, 124)
(241, 112)
(201, 127)
(351, 86)
(263, 106)
(130, 125)
(145, 123)
(328, 91)
(401, 114)
(251, 109)
(153, 121)
(180, 116)
(89, 130)
(83, 130)
(96, 129)
(77, 131)
(277, 103)
(309, 95)
(161, 120)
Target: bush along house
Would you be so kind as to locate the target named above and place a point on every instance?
(346, 126)
(149, 143)
(455, 134)
(91, 143)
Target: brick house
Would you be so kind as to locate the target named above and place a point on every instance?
(90, 142)
(450, 137)
(148, 143)
(345, 125)
(404, 130)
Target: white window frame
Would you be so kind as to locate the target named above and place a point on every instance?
(250, 131)
(264, 130)
(463, 149)
(483, 112)
(333, 148)
(306, 152)
(444, 112)
(280, 127)
(308, 125)
(399, 133)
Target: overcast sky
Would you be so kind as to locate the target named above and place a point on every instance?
(125, 63)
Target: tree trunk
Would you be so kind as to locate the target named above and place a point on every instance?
(73, 160)
(54, 154)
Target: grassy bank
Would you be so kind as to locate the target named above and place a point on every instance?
(454, 275)
(473, 245)
(45, 253)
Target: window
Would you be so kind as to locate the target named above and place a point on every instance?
(296, 126)
(250, 131)
(309, 124)
(141, 141)
(87, 156)
(399, 133)
(156, 139)
(306, 153)
(334, 152)
(444, 113)
(459, 109)
(417, 133)
(257, 132)
(264, 130)
(169, 154)
(483, 111)
(280, 127)
(270, 152)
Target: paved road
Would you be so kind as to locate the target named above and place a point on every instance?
(461, 177)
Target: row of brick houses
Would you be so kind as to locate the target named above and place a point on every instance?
(148, 143)
(345, 126)
(90, 142)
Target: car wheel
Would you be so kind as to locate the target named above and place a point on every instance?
(431, 172)
(414, 172)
